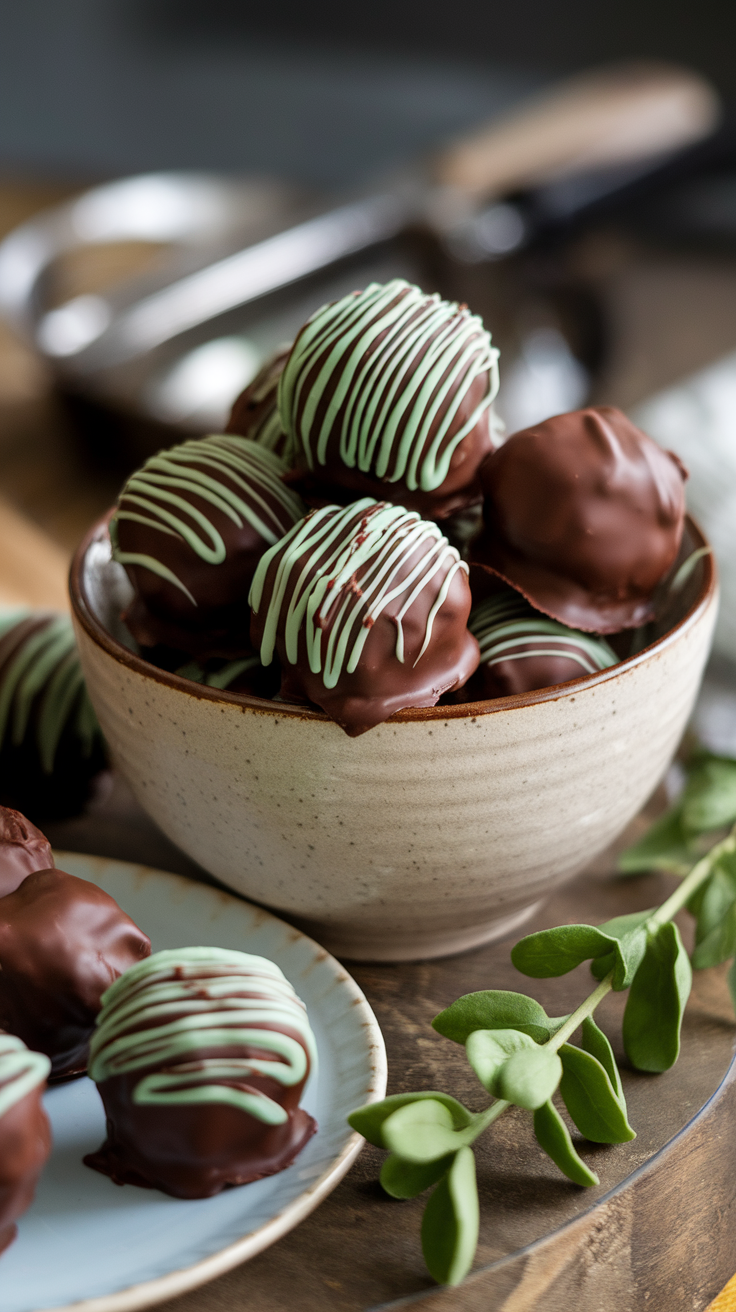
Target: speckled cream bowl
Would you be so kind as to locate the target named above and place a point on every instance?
(432, 833)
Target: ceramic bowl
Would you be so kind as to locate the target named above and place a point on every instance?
(438, 830)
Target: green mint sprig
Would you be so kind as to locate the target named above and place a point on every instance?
(523, 1057)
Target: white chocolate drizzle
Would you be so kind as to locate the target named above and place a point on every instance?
(206, 467)
(508, 628)
(347, 566)
(165, 1010)
(390, 391)
(20, 1071)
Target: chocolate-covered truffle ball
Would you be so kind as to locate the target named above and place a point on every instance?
(583, 515)
(62, 943)
(23, 849)
(51, 747)
(201, 1055)
(25, 1134)
(190, 528)
(366, 608)
(522, 650)
(255, 413)
(387, 393)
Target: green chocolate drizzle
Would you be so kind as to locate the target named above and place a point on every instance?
(206, 467)
(322, 555)
(44, 665)
(165, 1010)
(392, 390)
(20, 1071)
(509, 629)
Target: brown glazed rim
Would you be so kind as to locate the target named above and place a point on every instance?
(465, 710)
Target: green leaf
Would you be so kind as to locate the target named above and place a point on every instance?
(492, 1009)
(709, 799)
(369, 1120)
(719, 945)
(423, 1131)
(552, 952)
(732, 984)
(596, 1043)
(590, 1098)
(632, 940)
(403, 1179)
(718, 895)
(529, 1078)
(489, 1050)
(656, 1002)
(554, 1137)
(663, 847)
(450, 1222)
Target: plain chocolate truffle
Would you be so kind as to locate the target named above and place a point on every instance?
(366, 608)
(190, 528)
(62, 943)
(23, 849)
(583, 514)
(25, 1134)
(387, 393)
(201, 1055)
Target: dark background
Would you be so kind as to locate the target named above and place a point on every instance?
(327, 91)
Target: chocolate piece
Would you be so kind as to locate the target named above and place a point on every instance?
(62, 943)
(23, 848)
(367, 609)
(51, 746)
(25, 1133)
(583, 515)
(246, 675)
(190, 528)
(388, 393)
(201, 1055)
(522, 650)
(255, 413)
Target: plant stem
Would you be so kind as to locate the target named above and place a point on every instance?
(699, 873)
(581, 1013)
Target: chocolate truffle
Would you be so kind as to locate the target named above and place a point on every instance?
(366, 607)
(201, 1055)
(23, 849)
(190, 528)
(62, 943)
(521, 650)
(255, 413)
(388, 393)
(51, 747)
(583, 514)
(25, 1134)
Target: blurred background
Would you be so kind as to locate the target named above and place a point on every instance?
(618, 290)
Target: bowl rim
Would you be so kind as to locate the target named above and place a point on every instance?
(85, 616)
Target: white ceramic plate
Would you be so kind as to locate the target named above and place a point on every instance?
(101, 1248)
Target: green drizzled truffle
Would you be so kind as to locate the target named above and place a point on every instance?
(20, 1071)
(388, 391)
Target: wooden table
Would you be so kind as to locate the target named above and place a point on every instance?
(658, 1232)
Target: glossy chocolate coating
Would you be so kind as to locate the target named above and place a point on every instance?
(393, 392)
(25, 1143)
(380, 683)
(62, 943)
(51, 747)
(23, 849)
(193, 601)
(583, 515)
(255, 413)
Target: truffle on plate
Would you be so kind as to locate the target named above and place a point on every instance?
(583, 515)
(366, 608)
(388, 393)
(190, 528)
(25, 1134)
(522, 650)
(51, 746)
(63, 941)
(255, 413)
(201, 1055)
(23, 849)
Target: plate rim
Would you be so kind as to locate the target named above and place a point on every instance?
(149, 1292)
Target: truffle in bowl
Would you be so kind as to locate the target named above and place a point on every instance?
(438, 830)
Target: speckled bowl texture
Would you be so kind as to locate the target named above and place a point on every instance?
(434, 832)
